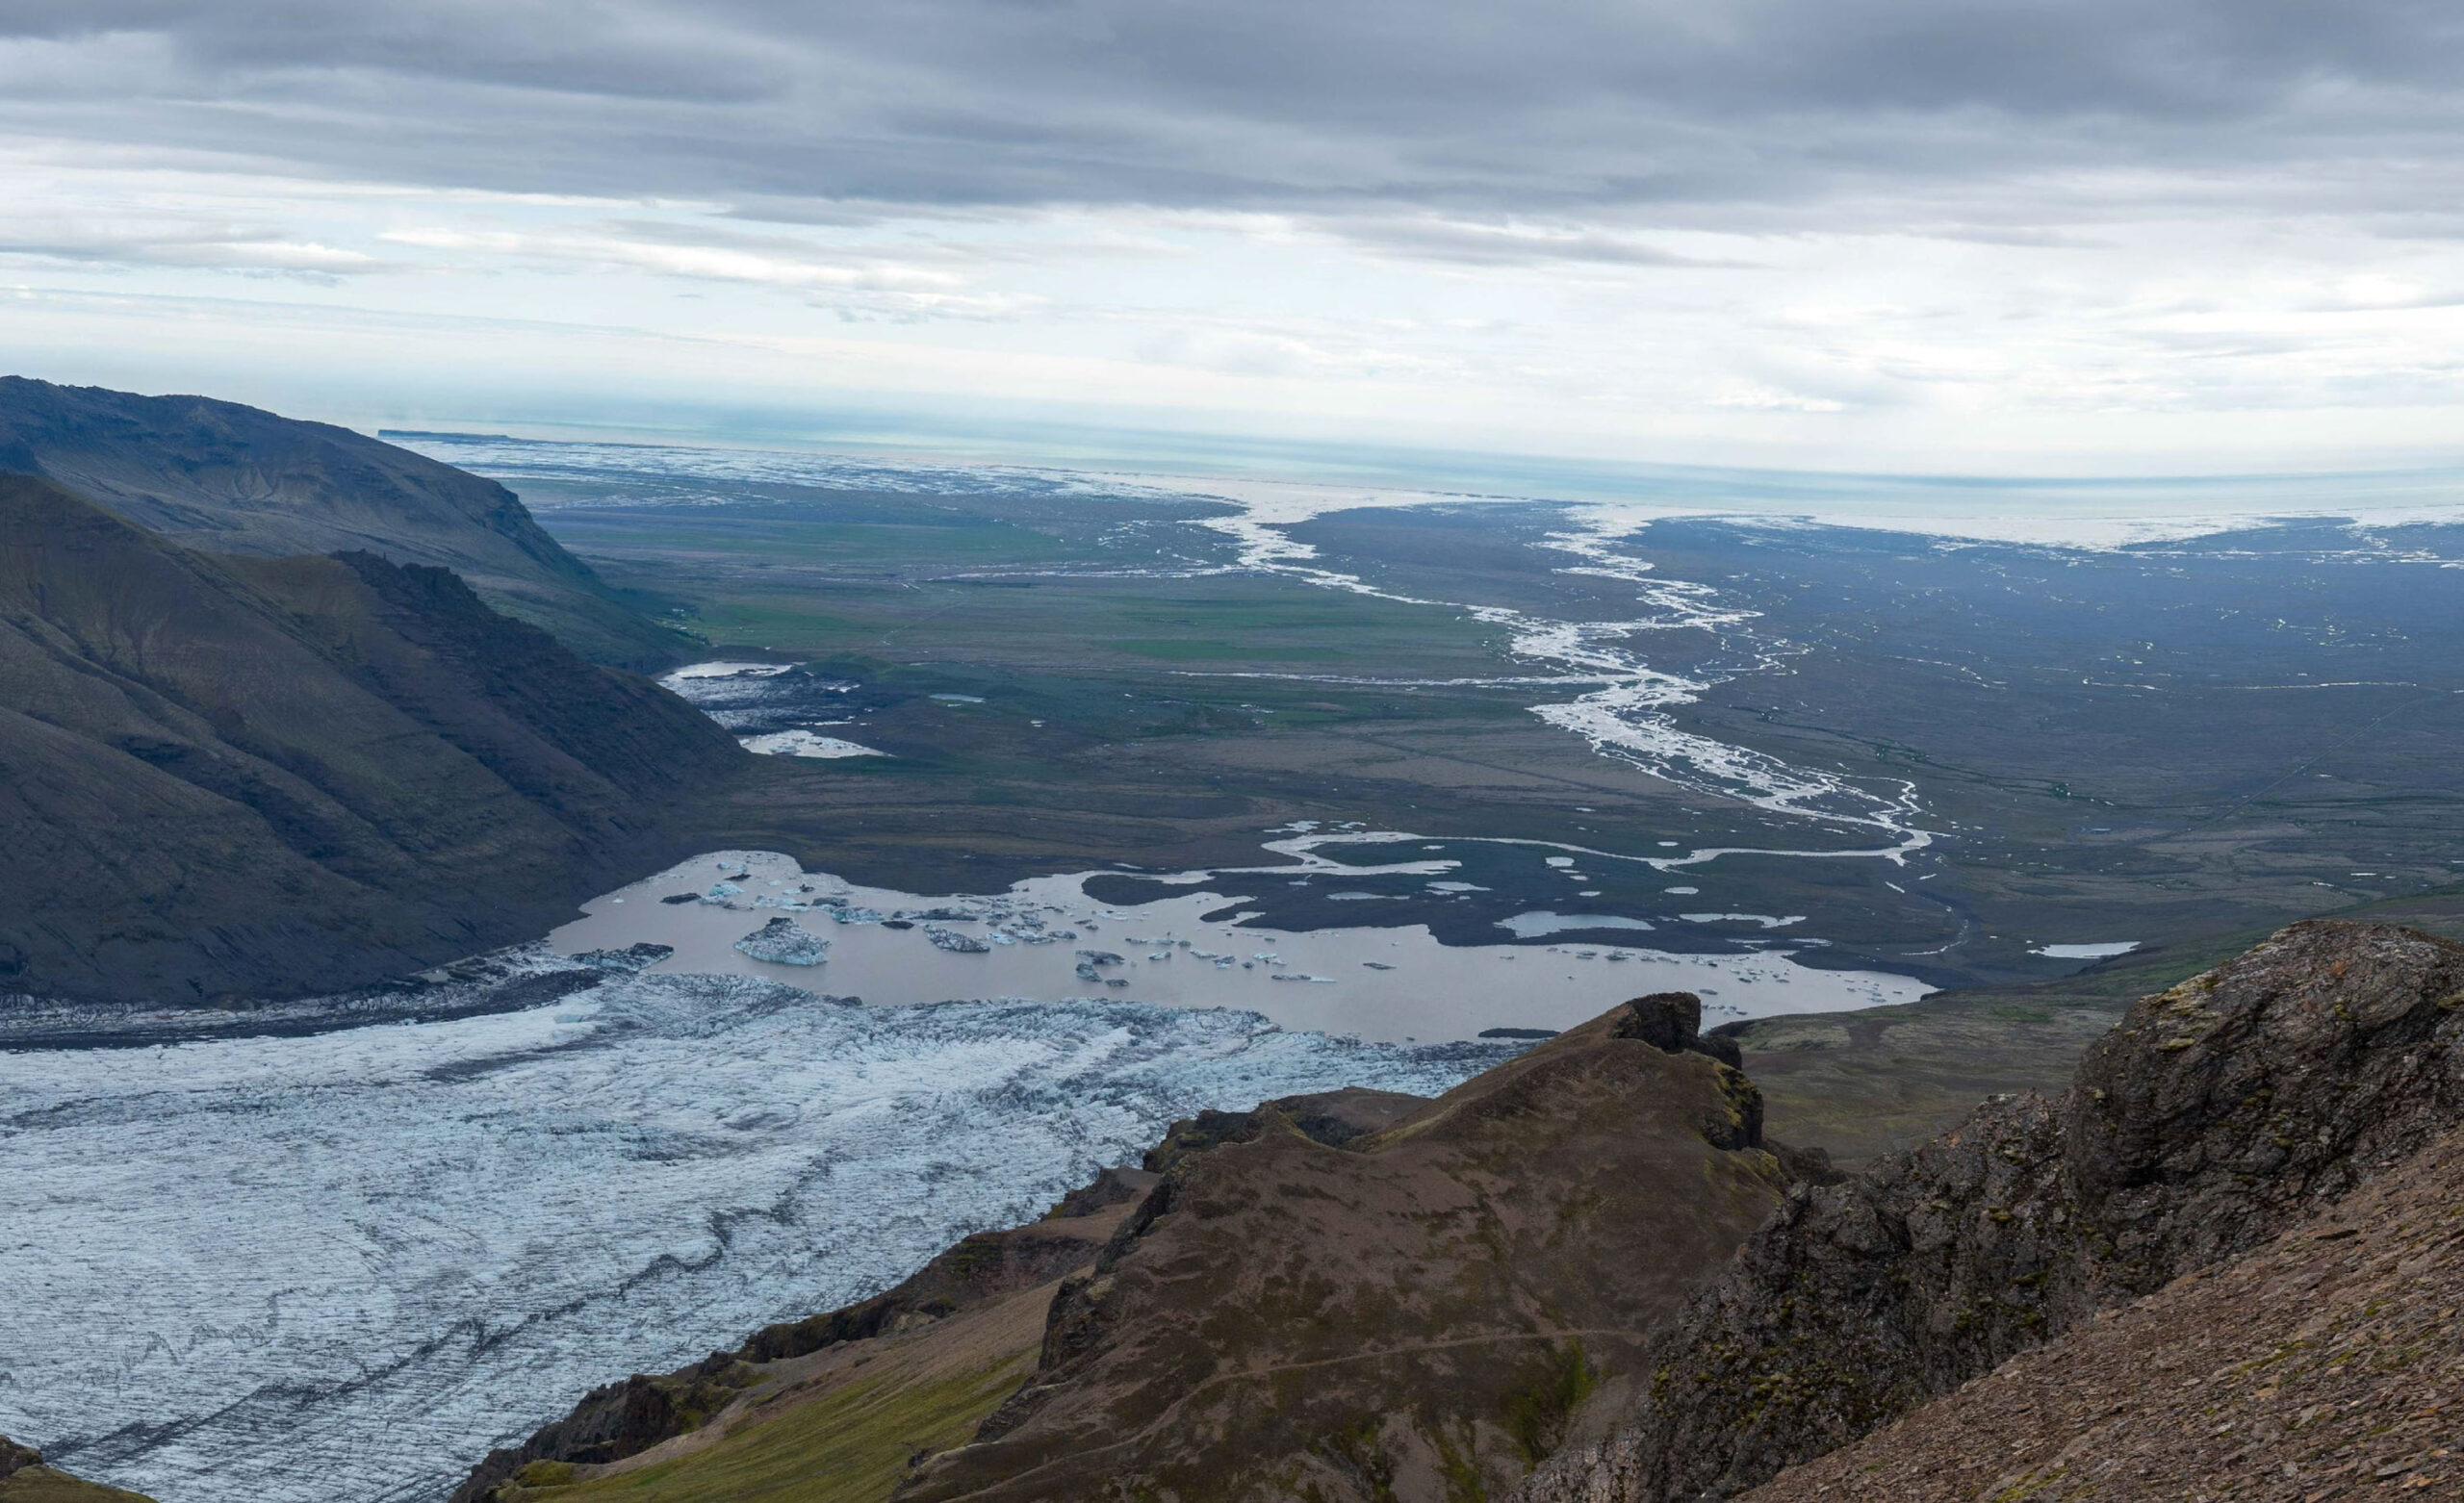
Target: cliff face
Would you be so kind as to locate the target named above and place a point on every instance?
(224, 478)
(2326, 1362)
(2215, 1115)
(1413, 1313)
(279, 777)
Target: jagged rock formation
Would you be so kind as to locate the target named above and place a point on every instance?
(25, 1479)
(224, 478)
(225, 777)
(1412, 1313)
(2328, 1362)
(2217, 1114)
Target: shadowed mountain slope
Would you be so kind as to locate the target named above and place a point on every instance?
(225, 775)
(2219, 1113)
(224, 478)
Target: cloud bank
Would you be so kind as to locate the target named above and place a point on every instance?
(1861, 174)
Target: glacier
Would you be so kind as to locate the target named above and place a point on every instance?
(346, 1264)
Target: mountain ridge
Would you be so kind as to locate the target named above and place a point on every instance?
(221, 477)
(232, 776)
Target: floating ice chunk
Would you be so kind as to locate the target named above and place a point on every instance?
(1767, 921)
(1532, 926)
(805, 743)
(2100, 952)
(783, 941)
(955, 943)
(693, 670)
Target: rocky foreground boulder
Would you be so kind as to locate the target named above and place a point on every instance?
(2219, 1115)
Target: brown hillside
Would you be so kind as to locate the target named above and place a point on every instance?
(1409, 1315)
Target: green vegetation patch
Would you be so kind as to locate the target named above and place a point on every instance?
(45, 1485)
(852, 1445)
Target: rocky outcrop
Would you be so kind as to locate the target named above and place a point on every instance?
(2328, 1362)
(2215, 1115)
(224, 478)
(1408, 1311)
(241, 777)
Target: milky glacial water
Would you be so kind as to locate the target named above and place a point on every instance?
(1391, 982)
(344, 1266)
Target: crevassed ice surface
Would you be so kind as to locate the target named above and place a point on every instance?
(344, 1266)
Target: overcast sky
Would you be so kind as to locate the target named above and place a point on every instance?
(1915, 235)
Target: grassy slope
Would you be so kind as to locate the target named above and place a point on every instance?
(851, 1446)
(842, 1434)
(42, 1485)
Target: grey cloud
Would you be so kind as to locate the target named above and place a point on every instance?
(1472, 243)
(225, 248)
(1756, 113)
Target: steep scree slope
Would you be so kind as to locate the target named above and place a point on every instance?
(2215, 1115)
(231, 479)
(225, 775)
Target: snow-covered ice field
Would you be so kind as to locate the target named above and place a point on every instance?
(343, 1266)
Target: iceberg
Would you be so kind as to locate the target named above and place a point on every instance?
(783, 941)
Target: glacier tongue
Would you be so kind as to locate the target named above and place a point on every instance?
(346, 1264)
